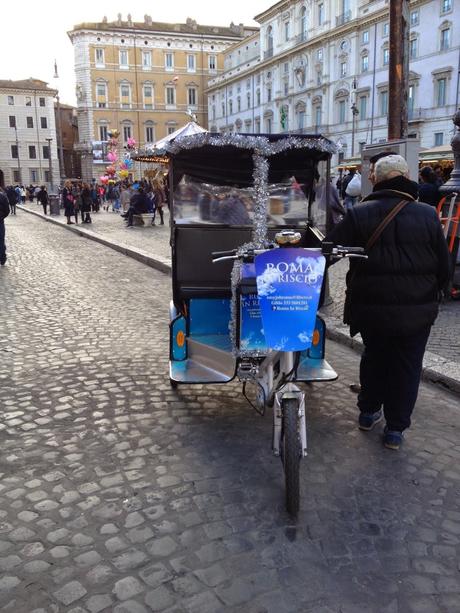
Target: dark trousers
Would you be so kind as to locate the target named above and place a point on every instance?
(390, 372)
(44, 207)
(159, 210)
(2, 243)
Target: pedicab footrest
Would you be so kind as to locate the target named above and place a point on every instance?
(315, 369)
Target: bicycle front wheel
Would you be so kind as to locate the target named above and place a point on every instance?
(291, 453)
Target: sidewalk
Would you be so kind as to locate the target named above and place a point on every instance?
(150, 245)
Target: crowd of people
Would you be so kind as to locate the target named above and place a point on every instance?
(348, 186)
(79, 199)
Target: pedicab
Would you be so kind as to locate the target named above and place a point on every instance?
(248, 271)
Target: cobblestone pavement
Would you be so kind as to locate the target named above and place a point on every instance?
(119, 494)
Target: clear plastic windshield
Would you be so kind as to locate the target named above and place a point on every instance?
(206, 203)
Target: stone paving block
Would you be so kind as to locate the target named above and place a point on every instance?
(129, 559)
(159, 599)
(130, 606)
(127, 587)
(70, 592)
(98, 603)
(206, 602)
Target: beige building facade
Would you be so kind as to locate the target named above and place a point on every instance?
(143, 79)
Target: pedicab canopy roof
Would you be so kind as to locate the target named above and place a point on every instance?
(228, 159)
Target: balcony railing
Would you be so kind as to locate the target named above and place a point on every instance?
(268, 54)
(343, 18)
(300, 38)
(416, 114)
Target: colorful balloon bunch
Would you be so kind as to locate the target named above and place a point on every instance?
(131, 144)
(117, 167)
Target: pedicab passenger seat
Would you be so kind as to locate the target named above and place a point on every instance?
(194, 273)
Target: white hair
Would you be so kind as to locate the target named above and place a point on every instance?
(390, 166)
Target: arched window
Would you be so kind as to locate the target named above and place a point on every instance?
(269, 41)
(147, 91)
(101, 94)
(149, 132)
(125, 95)
(303, 23)
(127, 130)
(300, 111)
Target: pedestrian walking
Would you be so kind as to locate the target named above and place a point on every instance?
(42, 198)
(68, 201)
(13, 198)
(4, 212)
(125, 197)
(392, 297)
(159, 198)
(94, 198)
(86, 202)
(427, 188)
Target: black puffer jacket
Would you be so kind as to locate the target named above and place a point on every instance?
(396, 290)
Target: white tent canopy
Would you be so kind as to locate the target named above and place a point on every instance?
(189, 129)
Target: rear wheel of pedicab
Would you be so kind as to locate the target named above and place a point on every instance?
(291, 452)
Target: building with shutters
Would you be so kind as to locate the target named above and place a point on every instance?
(144, 79)
(322, 66)
(27, 123)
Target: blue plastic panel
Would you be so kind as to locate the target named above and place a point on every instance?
(209, 316)
(178, 342)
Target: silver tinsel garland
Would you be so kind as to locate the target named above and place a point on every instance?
(260, 144)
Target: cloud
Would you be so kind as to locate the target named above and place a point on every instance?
(304, 337)
(265, 280)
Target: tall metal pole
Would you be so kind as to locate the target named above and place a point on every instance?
(50, 167)
(19, 161)
(355, 112)
(62, 173)
(398, 69)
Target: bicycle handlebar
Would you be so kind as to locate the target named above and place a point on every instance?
(327, 249)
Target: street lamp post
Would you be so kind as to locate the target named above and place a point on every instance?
(50, 167)
(62, 174)
(354, 114)
(17, 149)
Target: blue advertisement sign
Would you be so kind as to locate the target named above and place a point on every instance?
(289, 282)
(251, 328)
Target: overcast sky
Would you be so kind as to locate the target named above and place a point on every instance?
(34, 33)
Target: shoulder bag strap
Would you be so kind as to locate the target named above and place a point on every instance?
(383, 224)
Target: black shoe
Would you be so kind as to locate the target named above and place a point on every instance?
(367, 421)
(392, 439)
(3, 261)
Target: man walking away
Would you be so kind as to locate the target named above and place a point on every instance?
(42, 198)
(4, 212)
(12, 198)
(392, 297)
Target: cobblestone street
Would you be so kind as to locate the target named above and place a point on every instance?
(119, 494)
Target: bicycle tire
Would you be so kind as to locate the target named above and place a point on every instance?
(291, 453)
